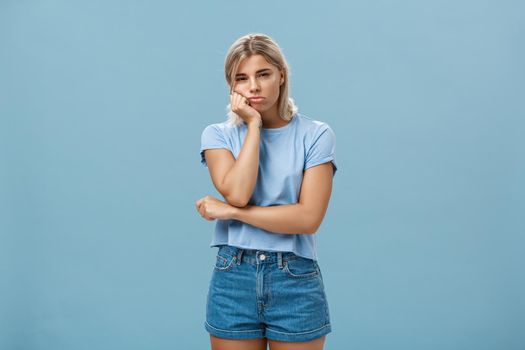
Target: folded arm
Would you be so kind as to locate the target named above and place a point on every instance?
(235, 179)
(303, 217)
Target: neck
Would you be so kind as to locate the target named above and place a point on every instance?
(271, 119)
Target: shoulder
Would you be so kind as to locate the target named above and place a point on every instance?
(224, 127)
(312, 127)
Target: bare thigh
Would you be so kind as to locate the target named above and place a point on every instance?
(316, 344)
(237, 344)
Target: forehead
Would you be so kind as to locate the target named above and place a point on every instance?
(254, 63)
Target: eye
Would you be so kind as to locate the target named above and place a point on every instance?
(240, 78)
(264, 74)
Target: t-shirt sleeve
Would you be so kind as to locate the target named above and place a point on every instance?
(322, 149)
(212, 137)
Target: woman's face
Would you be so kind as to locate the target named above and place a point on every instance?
(256, 77)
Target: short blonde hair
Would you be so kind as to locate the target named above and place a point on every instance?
(258, 44)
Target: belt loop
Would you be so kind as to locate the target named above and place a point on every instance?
(239, 255)
(280, 259)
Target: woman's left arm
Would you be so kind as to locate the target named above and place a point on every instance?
(303, 217)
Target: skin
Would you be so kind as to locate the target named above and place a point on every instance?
(303, 217)
(261, 344)
(236, 178)
(228, 173)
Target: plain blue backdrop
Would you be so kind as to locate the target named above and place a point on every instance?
(102, 105)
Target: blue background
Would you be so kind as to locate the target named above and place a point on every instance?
(102, 104)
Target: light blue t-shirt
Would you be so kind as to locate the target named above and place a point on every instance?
(284, 154)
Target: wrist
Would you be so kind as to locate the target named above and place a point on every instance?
(234, 213)
(238, 213)
(257, 124)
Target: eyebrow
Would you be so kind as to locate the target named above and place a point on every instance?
(260, 70)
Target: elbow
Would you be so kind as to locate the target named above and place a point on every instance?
(236, 196)
(312, 226)
(312, 218)
(312, 221)
(312, 229)
(237, 201)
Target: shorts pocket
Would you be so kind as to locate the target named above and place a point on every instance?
(301, 267)
(224, 262)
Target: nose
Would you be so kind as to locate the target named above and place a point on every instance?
(253, 85)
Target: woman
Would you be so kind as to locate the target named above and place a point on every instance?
(274, 168)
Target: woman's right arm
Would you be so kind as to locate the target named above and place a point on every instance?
(235, 179)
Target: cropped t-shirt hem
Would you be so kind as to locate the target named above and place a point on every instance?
(265, 249)
(284, 155)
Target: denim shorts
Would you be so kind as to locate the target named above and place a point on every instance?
(264, 294)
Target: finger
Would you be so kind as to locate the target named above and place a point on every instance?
(240, 99)
(202, 210)
(235, 100)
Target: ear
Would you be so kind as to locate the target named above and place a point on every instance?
(282, 78)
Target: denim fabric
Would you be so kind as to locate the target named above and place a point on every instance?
(256, 294)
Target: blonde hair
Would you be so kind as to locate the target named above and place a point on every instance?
(259, 44)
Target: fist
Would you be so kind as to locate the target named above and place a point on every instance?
(241, 106)
(211, 208)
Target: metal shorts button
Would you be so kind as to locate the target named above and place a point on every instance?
(262, 256)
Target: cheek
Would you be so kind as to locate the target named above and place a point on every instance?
(274, 86)
(242, 89)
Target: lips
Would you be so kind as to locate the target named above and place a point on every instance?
(255, 99)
